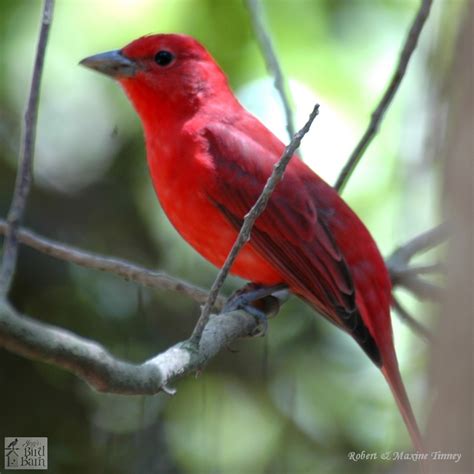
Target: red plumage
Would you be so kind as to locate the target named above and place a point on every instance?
(209, 160)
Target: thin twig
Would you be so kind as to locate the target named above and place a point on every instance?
(378, 114)
(249, 221)
(400, 272)
(91, 362)
(421, 243)
(405, 276)
(411, 322)
(265, 41)
(416, 270)
(24, 174)
(422, 289)
(127, 270)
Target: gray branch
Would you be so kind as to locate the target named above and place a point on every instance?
(25, 169)
(402, 274)
(408, 277)
(377, 116)
(268, 51)
(249, 220)
(91, 362)
(421, 243)
(106, 373)
(122, 268)
(411, 322)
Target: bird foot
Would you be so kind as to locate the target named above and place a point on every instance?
(259, 301)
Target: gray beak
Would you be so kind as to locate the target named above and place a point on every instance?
(111, 63)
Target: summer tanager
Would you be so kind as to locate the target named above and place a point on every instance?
(209, 160)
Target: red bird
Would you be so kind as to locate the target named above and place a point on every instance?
(209, 161)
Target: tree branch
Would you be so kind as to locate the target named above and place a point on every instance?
(249, 220)
(265, 41)
(122, 268)
(421, 270)
(95, 365)
(401, 273)
(421, 243)
(91, 362)
(377, 116)
(411, 322)
(408, 277)
(422, 289)
(24, 175)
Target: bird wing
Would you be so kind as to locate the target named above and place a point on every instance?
(292, 233)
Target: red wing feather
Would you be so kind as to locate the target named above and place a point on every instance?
(291, 233)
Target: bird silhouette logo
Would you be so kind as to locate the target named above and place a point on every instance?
(11, 453)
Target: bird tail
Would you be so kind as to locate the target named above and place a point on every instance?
(391, 373)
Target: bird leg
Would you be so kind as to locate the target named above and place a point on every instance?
(262, 302)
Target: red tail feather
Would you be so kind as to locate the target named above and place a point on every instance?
(391, 373)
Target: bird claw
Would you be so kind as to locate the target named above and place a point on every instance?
(262, 319)
(258, 301)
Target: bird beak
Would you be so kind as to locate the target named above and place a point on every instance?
(111, 63)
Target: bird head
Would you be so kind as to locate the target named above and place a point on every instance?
(163, 74)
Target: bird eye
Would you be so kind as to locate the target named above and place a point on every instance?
(163, 58)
